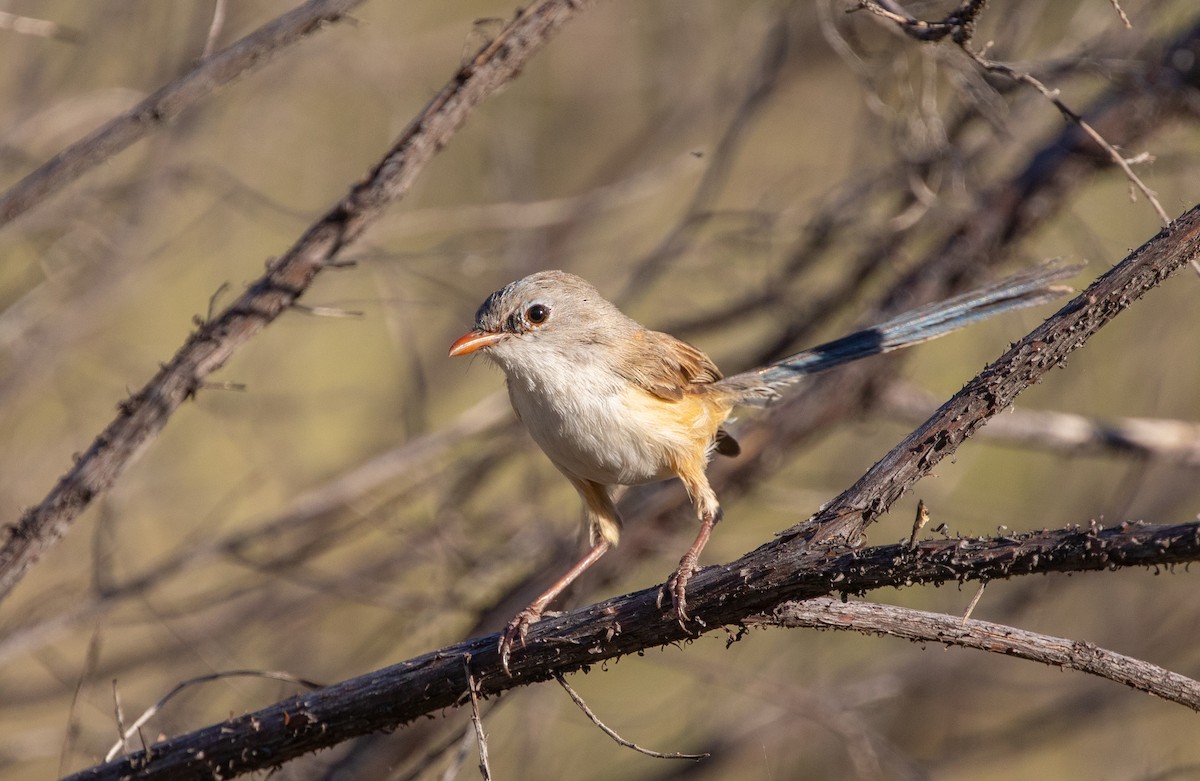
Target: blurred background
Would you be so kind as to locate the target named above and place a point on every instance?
(753, 177)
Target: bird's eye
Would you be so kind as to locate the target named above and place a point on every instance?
(537, 314)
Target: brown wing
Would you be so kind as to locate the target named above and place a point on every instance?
(666, 366)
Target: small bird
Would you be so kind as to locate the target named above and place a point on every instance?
(613, 403)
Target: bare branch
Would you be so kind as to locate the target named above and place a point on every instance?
(919, 522)
(1116, 4)
(1052, 95)
(214, 29)
(974, 601)
(920, 626)
(958, 25)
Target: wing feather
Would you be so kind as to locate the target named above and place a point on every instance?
(667, 367)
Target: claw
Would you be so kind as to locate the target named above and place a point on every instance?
(516, 630)
(676, 585)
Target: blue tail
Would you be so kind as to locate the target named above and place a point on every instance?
(918, 325)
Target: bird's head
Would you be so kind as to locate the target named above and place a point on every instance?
(544, 315)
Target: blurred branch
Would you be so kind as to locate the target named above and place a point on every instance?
(959, 26)
(764, 82)
(803, 562)
(1172, 441)
(145, 413)
(27, 25)
(530, 215)
(921, 626)
(414, 462)
(1012, 209)
(163, 106)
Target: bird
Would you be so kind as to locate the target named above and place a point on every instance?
(613, 403)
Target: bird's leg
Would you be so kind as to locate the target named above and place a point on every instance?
(603, 524)
(709, 511)
(519, 626)
(677, 583)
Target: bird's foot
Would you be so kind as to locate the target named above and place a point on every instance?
(676, 586)
(516, 630)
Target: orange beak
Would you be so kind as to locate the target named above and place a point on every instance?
(472, 341)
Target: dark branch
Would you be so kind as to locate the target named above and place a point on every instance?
(395, 695)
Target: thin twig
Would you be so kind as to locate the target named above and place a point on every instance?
(119, 717)
(918, 523)
(992, 66)
(224, 386)
(583, 706)
(85, 674)
(974, 601)
(485, 769)
(958, 24)
(326, 311)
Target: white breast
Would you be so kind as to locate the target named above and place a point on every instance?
(586, 419)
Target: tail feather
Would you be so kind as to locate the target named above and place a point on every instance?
(1029, 288)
